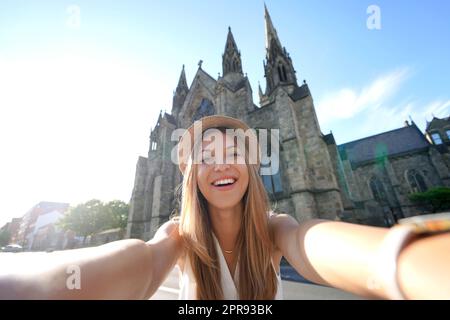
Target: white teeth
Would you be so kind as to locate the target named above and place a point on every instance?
(223, 181)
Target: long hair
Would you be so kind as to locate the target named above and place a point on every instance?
(257, 278)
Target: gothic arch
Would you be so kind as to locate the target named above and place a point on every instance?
(377, 189)
(416, 181)
(206, 108)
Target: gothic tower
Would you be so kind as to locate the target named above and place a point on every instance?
(308, 174)
(278, 67)
(231, 59)
(180, 94)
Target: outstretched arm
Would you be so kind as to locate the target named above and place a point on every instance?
(125, 269)
(341, 255)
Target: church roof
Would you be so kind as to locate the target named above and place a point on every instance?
(300, 92)
(329, 139)
(234, 86)
(390, 143)
(170, 118)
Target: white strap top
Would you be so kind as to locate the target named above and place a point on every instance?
(188, 286)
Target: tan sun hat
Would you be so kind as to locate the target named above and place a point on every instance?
(208, 122)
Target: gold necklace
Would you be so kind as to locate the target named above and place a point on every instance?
(228, 251)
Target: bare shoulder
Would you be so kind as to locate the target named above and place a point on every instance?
(167, 238)
(279, 223)
(168, 230)
(169, 235)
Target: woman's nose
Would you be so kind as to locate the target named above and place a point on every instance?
(221, 166)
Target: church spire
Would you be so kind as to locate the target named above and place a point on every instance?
(231, 58)
(182, 83)
(278, 68)
(180, 93)
(271, 33)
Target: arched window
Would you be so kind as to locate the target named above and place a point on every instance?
(282, 72)
(416, 181)
(206, 108)
(235, 66)
(272, 182)
(377, 188)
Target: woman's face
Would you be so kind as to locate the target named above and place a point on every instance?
(222, 183)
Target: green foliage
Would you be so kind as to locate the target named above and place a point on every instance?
(117, 211)
(4, 237)
(95, 216)
(437, 198)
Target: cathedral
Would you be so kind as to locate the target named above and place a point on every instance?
(366, 181)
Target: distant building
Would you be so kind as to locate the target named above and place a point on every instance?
(46, 234)
(12, 228)
(378, 173)
(438, 133)
(39, 222)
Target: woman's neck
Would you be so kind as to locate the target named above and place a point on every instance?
(226, 224)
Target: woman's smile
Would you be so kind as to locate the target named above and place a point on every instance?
(224, 183)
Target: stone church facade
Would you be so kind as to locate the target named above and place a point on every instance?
(365, 181)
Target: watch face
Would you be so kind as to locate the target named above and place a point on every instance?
(430, 223)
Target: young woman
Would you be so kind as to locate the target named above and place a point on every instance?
(228, 243)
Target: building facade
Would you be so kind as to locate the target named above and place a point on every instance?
(37, 229)
(438, 133)
(365, 181)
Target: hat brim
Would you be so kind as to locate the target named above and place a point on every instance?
(208, 122)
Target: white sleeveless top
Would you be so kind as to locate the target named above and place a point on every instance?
(188, 286)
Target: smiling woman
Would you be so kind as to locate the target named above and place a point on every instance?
(228, 245)
(224, 220)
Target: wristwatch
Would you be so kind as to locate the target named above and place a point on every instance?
(384, 272)
(430, 223)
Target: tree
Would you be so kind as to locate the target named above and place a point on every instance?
(87, 219)
(437, 198)
(4, 237)
(117, 212)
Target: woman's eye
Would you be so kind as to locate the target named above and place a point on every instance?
(235, 154)
(207, 160)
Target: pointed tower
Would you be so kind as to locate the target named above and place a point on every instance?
(231, 58)
(180, 94)
(278, 68)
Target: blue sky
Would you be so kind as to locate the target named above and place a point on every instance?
(77, 101)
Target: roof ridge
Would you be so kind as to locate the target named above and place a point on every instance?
(375, 135)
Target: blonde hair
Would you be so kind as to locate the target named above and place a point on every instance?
(257, 278)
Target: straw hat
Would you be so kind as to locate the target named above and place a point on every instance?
(208, 122)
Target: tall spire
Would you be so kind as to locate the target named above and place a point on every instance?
(278, 67)
(271, 33)
(180, 93)
(182, 83)
(231, 58)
